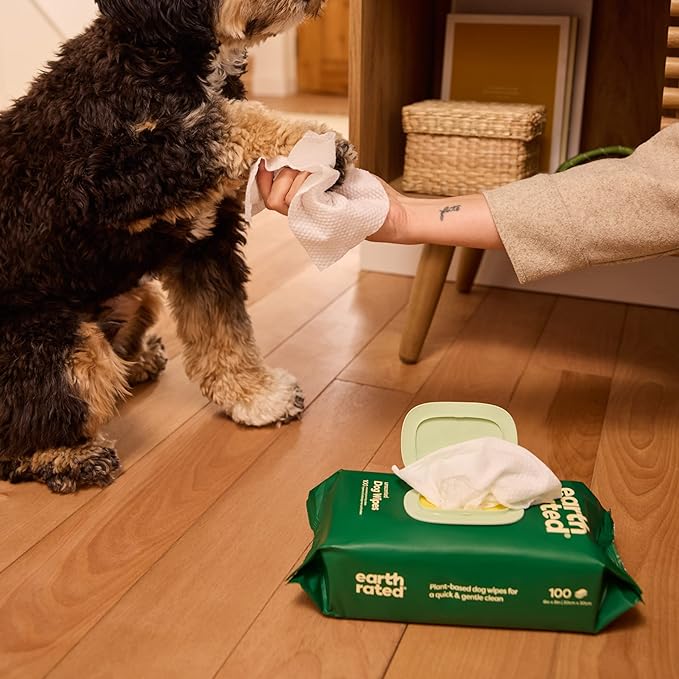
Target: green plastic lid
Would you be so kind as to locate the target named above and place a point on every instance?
(431, 426)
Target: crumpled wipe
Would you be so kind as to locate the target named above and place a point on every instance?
(481, 474)
(327, 221)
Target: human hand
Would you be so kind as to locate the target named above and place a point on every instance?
(278, 193)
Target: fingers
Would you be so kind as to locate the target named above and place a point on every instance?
(296, 185)
(280, 189)
(264, 181)
(278, 193)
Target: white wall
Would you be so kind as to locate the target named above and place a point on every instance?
(68, 16)
(30, 34)
(273, 66)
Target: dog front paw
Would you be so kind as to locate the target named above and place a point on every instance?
(66, 470)
(345, 157)
(280, 401)
(149, 364)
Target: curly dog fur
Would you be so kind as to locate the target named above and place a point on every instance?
(125, 164)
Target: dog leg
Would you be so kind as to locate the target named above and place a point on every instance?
(207, 297)
(126, 322)
(60, 381)
(252, 132)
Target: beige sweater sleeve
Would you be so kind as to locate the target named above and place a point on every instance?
(606, 212)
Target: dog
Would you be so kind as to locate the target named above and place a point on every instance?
(123, 168)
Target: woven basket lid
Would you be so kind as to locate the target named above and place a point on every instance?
(475, 119)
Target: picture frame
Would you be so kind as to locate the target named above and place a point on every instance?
(515, 58)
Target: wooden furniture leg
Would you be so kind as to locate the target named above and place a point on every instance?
(467, 268)
(424, 298)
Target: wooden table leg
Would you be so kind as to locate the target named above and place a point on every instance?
(424, 297)
(468, 267)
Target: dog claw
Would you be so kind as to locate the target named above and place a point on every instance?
(345, 156)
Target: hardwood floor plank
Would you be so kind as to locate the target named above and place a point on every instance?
(316, 647)
(560, 403)
(637, 476)
(287, 306)
(30, 511)
(287, 261)
(582, 336)
(184, 617)
(54, 594)
(268, 232)
(475, 652)
(559, 415)
(323, 347)
(293, 304)
(378, 363)
(374, 296)
(490, 354)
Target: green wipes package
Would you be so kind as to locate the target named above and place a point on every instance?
(556, 568)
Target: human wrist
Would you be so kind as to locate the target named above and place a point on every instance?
(462, 220)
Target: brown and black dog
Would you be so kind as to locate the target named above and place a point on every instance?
(124, 165)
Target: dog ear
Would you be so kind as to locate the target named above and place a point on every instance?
(162, 20)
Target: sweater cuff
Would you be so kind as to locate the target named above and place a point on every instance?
(536, 228)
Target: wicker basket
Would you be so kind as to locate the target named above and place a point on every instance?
(458, 147)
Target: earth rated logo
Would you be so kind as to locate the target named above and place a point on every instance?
(565, 518)
(390, 585)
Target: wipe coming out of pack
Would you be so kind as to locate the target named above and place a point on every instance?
(557, 568)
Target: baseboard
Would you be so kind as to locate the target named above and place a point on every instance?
(649, 283)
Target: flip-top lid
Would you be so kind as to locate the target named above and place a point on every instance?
(432, 426)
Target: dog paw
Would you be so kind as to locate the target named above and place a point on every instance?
(101, 468)
(345, 157)
(150, 364)
(279, 402)
(65, 470)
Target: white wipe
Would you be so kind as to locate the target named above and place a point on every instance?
(327, 223)
(480, 474)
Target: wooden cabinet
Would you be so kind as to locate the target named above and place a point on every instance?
(322, 52)
(396, 49)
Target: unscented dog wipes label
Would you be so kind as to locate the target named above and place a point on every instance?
(555, 569)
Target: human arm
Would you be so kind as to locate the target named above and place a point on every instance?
(608, 211)
(465, 220)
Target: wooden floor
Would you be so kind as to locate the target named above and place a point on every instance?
(323, 104)
(179, 568)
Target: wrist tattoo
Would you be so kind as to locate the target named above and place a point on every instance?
(450, 208)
